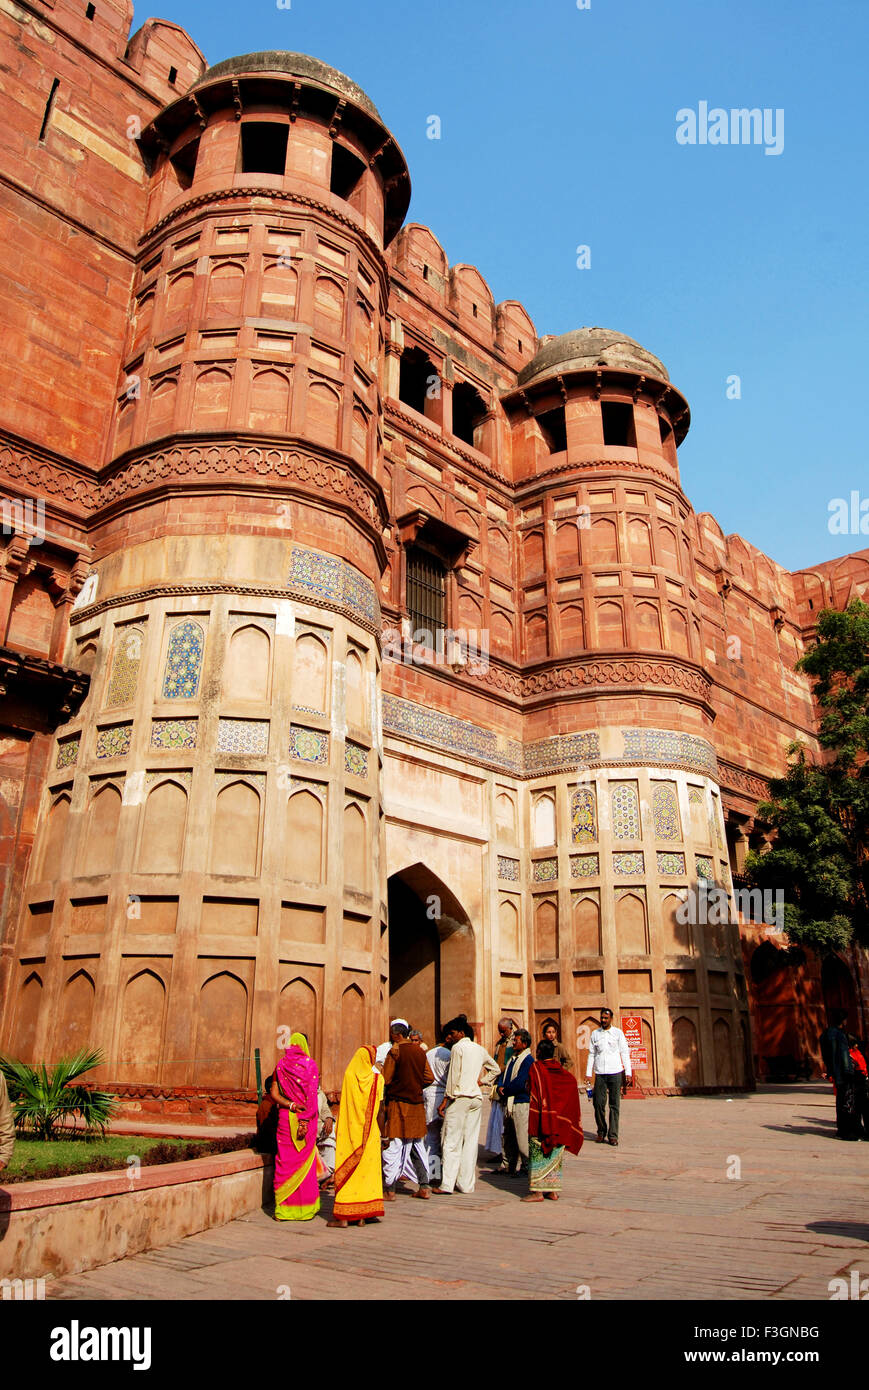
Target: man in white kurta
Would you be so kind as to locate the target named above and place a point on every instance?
(462, 1107)
(609, 1062)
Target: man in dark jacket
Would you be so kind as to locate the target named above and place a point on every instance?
(512, 1089)
(406, 1073)
(840, 1068)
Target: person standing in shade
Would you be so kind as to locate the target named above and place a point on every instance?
(839, 1066)
(609, 1061)
(495, 1129)
(560, 1052)
(462, 1106)
(438, 1059)
(406, 1073)
(513, 1091)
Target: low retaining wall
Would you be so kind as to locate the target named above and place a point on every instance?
(67, 1225)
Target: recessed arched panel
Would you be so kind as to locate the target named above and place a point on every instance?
(235, 832)
(183, 661)
(161, 848)
(631, 927)
(98, 848)
(321, 414)
(508, 920)
(676, 934)
(179, 298)
(270, 402)
(544, 821)
(640, 541)
(76, 1015)
(359, 435)
(532, 553)
(505, 817)
(502, 633)
(357, 705)
(161, 410)
(29, 1005)
(310, 674)
(723, 1052)
(356, 865)
(610, 625)
(352, 1022)
(303, 843)
(567, 546)
(686, 1053)
(668, 550)
(647, 625)
(247, 665)
(536, 634)
(586, 927)
(140, 1047)
(328, 305)
(211, 400)
(124, 668)
(546, 930)
(297, 1011)
(225, 286)
(220, 1033)
(679, 632)
(572, 625)
(603, 544)
(55, 834)
(280, 284)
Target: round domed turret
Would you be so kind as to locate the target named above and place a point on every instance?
(584, 349)
(293, 65)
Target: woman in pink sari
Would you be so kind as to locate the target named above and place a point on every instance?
(294, 1089)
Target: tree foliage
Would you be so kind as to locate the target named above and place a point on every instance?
(820, 811)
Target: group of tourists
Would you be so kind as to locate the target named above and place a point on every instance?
(845, 1062)
(412, 1114)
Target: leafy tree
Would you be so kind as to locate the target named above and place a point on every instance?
(820, 812)
(43, 1097)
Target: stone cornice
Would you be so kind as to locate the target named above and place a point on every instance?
(621, 471)
(743, 780)
(46, 473)
(445, 446)
(39, 694)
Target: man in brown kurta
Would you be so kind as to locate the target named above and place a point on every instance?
(405, 1073)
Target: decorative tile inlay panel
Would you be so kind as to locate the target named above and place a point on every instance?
(309, 745)
(544, 870)
(631, 862)
(716, 819)
(625, 811)
(174, 733)
(669, 862)
(662, 746)
(67, 752)
(665, 811)
(508, 868)
(183, 661)
(126, 660)
(334, 581)
(704, 866)
(262, 620)
(584, 865)
(583, 816)
(695, 796)
(355, 759)
(405, 717)
(115, 742)
(243, 736)
(549, 754)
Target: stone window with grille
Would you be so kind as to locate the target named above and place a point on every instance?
(426, 594)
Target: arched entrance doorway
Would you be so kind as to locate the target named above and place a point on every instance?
(838, 988)
(431, 952)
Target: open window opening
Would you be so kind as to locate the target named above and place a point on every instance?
(347, 170)
(553, 427)
(618, 424)
(469, 412)
(418, 381)
(264, 147)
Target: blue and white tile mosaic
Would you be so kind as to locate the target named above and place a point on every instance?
(625, 808)
(665, 811)
(114, 742)
(665, 746)
(669, 862)
(544, 870)
(67, 752)
(355, 759)
(243, 736)
(174, 733)
(704, 866)
(508, 868)
(335, 581)
(584, 865)
(183, 661)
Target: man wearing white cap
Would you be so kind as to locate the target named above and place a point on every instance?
(383, 1049)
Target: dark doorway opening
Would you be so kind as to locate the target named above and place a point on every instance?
(431, 952)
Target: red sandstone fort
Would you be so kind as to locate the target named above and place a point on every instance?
(258, 439)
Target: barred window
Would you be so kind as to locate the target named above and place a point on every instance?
(426, 594)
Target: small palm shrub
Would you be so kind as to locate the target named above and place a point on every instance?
(44, 1099)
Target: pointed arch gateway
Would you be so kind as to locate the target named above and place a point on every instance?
(432, 958)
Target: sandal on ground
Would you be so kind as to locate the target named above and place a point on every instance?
(533, 1197)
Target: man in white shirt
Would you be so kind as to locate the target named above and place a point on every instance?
(609, 1061)
(462, 1106)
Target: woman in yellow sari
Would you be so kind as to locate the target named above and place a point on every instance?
(358, 1170)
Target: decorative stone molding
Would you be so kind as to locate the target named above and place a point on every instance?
(40, 472)
(740, 779)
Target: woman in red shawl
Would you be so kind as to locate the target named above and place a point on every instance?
(553, 1123)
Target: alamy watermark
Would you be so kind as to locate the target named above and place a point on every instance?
(848, 516)
(459, 648)
(23, 516)
(739, 126)
(708, 904)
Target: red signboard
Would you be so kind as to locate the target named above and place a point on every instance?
(632, 1027)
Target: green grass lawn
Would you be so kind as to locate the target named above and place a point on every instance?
(32, 1158)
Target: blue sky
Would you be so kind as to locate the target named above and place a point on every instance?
(559, 130)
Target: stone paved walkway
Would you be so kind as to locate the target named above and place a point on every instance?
(658, 1217)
